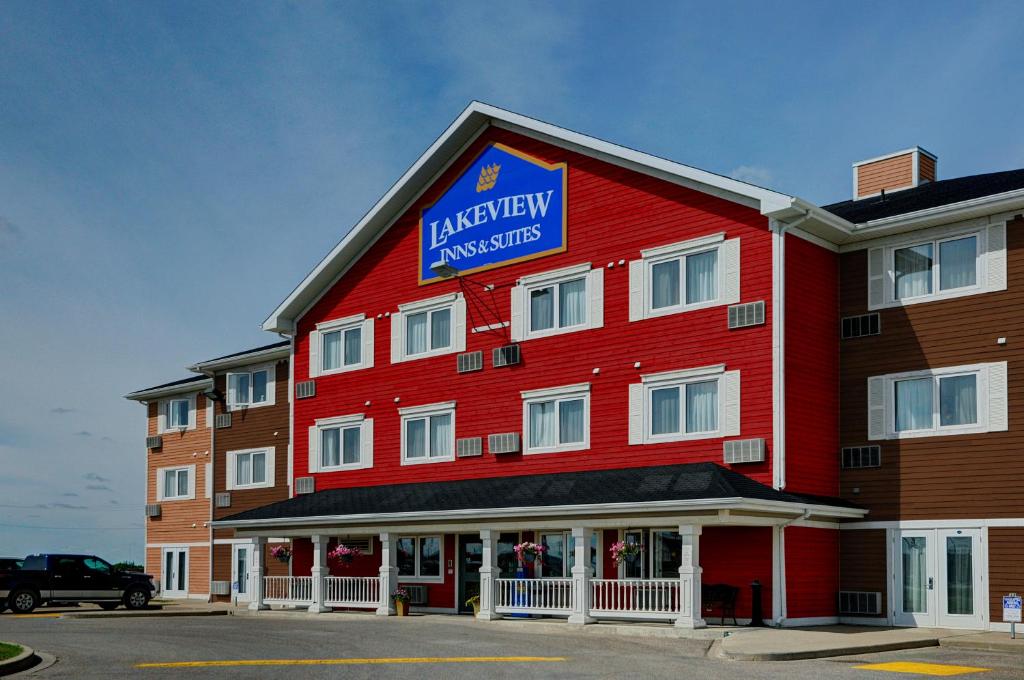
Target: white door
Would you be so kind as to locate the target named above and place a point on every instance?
(914, 578)
(938, 579)
(174, 572)
(240, 553)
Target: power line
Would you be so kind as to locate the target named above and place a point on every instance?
(29, 526)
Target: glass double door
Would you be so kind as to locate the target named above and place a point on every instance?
(240, 571)
(938, 578)
(471, 550)
(175, 572)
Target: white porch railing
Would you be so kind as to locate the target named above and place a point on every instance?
(288, 589)
(635, 598)
(352, 591)
(533, 596)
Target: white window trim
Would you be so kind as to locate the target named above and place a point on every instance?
(935, 272)
(454, 301)
(648, 553)
(569, 551)
(162, 413)
(271, 370)
(594, 304)
(161, 473)
(416, 554)
(359, 420)
(316, 340)
(983, 390)
(425, 411)
(728, 422)
(556, 394)
(231, 468)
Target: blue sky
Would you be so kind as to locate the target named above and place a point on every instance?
(169, 171)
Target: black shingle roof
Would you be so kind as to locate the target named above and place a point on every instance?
(931, 195)
(183, 381)
(690, 481)
(274, 345)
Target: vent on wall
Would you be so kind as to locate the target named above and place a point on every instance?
(855, 602)
(153, 510)
(417, 594)
(364, 543)
(305, 389)
(506, 442)
(860, 326)
(154, 442)
(743, 451)
(220, 587)
(222, 420)
(854, 457)
(222, 499)
(748, 314)
(469, 361)
(469, 447)
(304, 485)
(506, 356)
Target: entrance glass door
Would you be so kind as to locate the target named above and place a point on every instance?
(240, 571)
(938, 578)
(471, 550)
(175, 572)
(959, 563)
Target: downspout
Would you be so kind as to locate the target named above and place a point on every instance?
(291, 413)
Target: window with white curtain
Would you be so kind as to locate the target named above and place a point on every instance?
(340, 345)
(691, 403)
(936, 402)
(683, 408)
(428, 328)
(248, 389)
(428, 433)
(560, 305)
(937, 266)
(557, 419)
(341, 443)
(175, 483)
(177, 413)
(563, 300)
(339, 446)
(684, 281)
(342, 348)
(250, 468)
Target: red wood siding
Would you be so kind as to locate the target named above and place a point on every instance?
(612, 214)
(737, 556)
(812, 572)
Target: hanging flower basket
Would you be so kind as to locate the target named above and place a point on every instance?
(529, 552)
(281, 553)
(344, 554)
(626, 552)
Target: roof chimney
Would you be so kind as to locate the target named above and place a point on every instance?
(901, 170)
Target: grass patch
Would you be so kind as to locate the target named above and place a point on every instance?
(9, 651)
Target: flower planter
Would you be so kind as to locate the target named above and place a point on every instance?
(529, 558)
(284, 558)
(631, 558)
(401, 608)
(346, 559)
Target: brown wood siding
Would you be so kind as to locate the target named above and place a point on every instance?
(945, 477)
(1005, 566)
(888, 174)
(862, 563)
(925, 169)
(198, 568)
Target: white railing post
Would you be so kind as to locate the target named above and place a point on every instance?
(319, 573)
(256, 574)
(581, 576)
(489, 572)
(689, 578)
(388, 574)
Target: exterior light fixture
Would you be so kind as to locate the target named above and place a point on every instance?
(444, 270)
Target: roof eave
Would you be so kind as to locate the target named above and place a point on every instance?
(247, 359)
(952, 212)
(149, 394)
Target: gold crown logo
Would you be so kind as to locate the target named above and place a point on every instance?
(488, 177)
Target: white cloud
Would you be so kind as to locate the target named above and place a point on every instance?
(753, 174)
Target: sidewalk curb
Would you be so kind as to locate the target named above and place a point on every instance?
(989, 646)
(826, 653)
(143, 614)
(27, 659)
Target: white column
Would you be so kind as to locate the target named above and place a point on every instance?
(256, 574)
(489, 572)
(690, 614)
(581, 576)
(319, 572)
(388, 574)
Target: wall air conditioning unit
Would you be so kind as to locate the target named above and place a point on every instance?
(469, 447)
(748, 314)
(154, 442)
(467, 362)
(856, 602)
(364, 543)
(153, 510)
(417, 594)
(304, 485)
(305, 389)
(508, 355)
(743, 451)
(506, 442)
(220, 587)
(222, 420)
(222, 499)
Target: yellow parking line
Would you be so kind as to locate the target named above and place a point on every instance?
(37, 616)
(922, 668)
(352, 662)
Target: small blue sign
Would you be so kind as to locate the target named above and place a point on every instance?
(505, 207)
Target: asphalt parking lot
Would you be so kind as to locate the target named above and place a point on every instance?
(239, 646)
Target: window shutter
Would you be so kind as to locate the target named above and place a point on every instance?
(876, 277)
(636, 290)
(191, 481)
(876, 408)
(208, 479)
(192, 412)
(271, 384)
(314, 450)
(997, 402)
(366, 443)
(459, 312)
(729, 260)
(396, 337)
(996, 254)
(730, 404)
(367, 343)
(270, 459)
(160, 474)
(518, 301)
(636, 413)
(209, 413)
(314, 354)
(161, 417)
(595, 286)
(229, 468)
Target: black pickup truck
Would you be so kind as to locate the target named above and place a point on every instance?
(72, 578)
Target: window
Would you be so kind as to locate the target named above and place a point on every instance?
(680, 277)
(177, 414)
(97, 565)
(250, 468)
(560, 301)
(341, 443)
(917, 272)
(690, 404)
(341, 345)
(557, 419)
(251, 388)
(429, 328)
(949, 400)
(661, 555)
(560, 554)
(420, 558)
(176, 483)
(428, 433)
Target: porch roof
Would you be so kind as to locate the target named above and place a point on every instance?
(698, 484)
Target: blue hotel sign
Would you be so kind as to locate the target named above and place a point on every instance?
(505, 207)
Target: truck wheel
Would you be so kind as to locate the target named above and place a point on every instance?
(136, 598)
(22, 601)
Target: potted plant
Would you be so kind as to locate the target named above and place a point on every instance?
(401, 598)
(626, 552)
(344, 554)
(528, 552)
(474, 602)
(281, 553)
